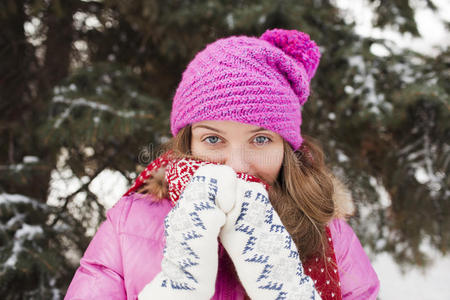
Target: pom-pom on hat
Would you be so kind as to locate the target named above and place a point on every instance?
(260, 81)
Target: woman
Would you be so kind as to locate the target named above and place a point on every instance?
(241, 204)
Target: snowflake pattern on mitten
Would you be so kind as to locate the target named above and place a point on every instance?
(190, 261)
(183, 226)
(263, 252)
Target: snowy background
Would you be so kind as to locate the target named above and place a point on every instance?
(410, 283)
(396, 283)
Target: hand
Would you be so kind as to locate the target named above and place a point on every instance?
(263, 252)
(180, 171)
(190, 262)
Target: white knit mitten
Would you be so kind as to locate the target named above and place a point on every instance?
(263, 252)
(190, 262)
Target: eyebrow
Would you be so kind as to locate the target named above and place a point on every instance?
(258, 129)
(219, 131)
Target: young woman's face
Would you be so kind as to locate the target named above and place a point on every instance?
(246, 148)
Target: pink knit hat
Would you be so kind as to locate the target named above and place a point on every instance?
(260, 81)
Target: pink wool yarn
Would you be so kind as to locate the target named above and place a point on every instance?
(260, 81)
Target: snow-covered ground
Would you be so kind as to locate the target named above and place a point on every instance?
(431, 284)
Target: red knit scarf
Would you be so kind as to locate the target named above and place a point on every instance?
(324, 272)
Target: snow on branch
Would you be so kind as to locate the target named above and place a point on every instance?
(94, 105)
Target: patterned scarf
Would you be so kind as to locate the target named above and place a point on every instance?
(324, 273)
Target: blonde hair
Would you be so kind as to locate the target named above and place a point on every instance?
(302, 194)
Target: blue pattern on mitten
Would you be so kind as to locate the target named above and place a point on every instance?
(190, 262)
(262, 250)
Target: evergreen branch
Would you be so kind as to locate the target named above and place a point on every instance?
(68, 198)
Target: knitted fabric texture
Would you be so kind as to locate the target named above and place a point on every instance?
(262, 250)
(259, 81)
(323, 272)
(189, 267)
(178, 174)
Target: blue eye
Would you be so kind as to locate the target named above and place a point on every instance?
(261, 140)
(212, 139)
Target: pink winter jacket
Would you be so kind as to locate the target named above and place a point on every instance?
(126, 252)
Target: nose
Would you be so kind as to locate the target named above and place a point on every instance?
(238, 159)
